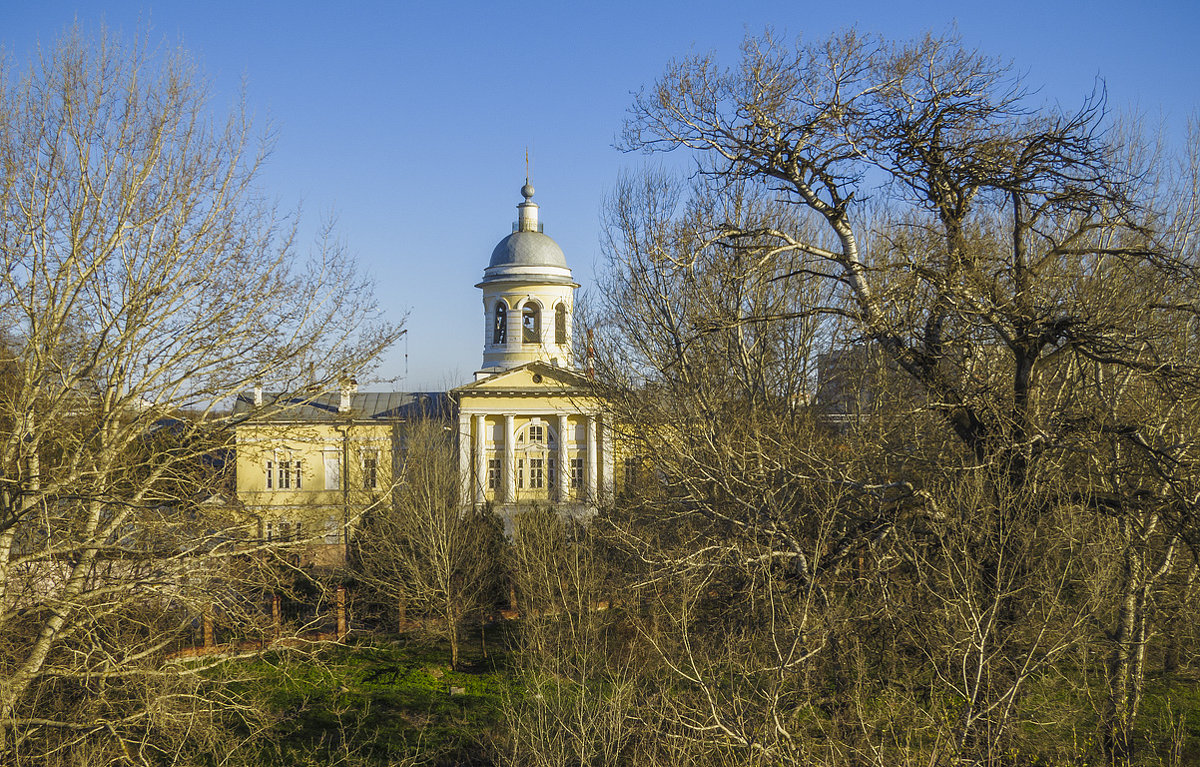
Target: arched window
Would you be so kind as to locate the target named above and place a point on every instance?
(531, 323)
(500, 329)
(560, 324)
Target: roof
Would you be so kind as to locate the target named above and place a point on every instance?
(527, 255)
(527, 249)
(377, 406)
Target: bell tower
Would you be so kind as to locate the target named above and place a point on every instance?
(528, 297)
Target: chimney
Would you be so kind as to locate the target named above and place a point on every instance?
(258, 394)
(349, 387)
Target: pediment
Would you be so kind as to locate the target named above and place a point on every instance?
(533, 378)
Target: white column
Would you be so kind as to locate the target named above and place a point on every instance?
(610, 464)
(510, 460)
(591, 459)
(464, 458)
(480, 458)
(564, 463)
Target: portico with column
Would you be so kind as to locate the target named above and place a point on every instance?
(533, 450)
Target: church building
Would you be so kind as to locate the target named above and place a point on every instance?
(530, 428)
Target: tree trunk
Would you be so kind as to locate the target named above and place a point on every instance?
(1118, 724)
(207, 628)
(341, 613)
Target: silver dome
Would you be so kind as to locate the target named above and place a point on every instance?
(527, 249)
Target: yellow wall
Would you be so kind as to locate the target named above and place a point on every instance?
(319, 508)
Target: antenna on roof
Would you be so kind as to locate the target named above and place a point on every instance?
(527, 165)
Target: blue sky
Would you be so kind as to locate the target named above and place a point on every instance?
(409, 121)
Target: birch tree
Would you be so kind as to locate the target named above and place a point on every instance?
(146, 280)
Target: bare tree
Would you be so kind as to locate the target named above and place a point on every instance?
(736, 541)
(145, 282)
(1032, 292)
(435, 560)
(575, 700)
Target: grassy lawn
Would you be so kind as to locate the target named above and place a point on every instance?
(395, 701)
(381, 702)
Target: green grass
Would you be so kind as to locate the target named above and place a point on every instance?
(389, 702)
(379, 702)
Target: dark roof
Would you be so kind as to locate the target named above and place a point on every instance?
(377, 406)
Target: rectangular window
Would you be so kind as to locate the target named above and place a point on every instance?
(552, 470)
(576, 473)
(270, 475)
(632, 467)
(370, 471)
(269, 533)
(520, 472)
(536, 433)
(285, 531)
(333, 471)
(493, 477)
(537, 477)
(289, 475)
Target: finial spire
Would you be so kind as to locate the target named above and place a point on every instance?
(527, 220)
(527, 191)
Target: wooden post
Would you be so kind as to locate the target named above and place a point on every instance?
(341, 612)
(207, 623)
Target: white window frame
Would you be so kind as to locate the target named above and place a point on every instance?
(291, 472)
